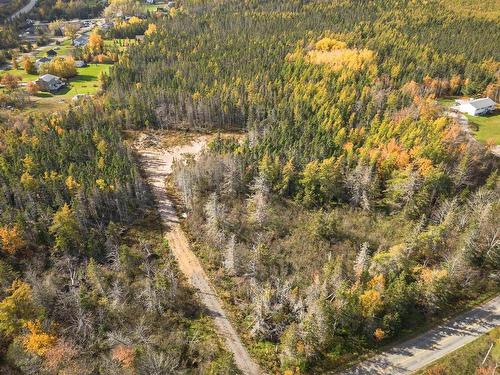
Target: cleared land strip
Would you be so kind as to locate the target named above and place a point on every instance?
(25, 9)
(157, 165)
(417, 353)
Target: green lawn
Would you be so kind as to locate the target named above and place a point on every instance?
(63, 49)
(488, 127)
(86, 82)
(121, 43)
(467, 359)
(447, 102)
(25, 77)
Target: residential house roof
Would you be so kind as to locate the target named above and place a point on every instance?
(81, 40)
(43, 60)
(481, 103)
(48, 78)
(80, 63)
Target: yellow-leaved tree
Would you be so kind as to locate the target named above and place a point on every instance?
(37, 341)
(66, 229)
(17, 308)
(95, 43)
(11, 239)
(151, 29)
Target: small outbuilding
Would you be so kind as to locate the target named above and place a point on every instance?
(80, 64)
(51, 53)
(81, 41)
(79, 97)
(50, 83)
(475, 107)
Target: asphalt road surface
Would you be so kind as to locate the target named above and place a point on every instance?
(414, 354)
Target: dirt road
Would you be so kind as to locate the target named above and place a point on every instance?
(157, 164)
(417, 353)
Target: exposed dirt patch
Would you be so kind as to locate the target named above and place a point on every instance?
(156, 161)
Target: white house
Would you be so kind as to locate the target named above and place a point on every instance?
(49, 82)
(475, 107)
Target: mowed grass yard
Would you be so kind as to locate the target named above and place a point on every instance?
(466, 360)
(86, 82)
(63, 49)
(486, 128)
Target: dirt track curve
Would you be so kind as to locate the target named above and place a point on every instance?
(157, 165)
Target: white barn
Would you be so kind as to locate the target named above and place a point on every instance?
(475, 107)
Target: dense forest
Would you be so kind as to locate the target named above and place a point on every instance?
(352, 211)
(8, 7)
(347, 210)
(49, 10)
(88, 286)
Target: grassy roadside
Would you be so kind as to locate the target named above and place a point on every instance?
(458, 308)
(468, 359)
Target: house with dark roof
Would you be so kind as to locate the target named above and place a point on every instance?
(51, 53)
(42, 60)
(50, 83)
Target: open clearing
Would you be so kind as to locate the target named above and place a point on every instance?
(485, 128)
(488, 127)
(86, 82)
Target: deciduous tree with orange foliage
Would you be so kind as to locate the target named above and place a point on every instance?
(95, 43)
(11, 239)
(10, 81)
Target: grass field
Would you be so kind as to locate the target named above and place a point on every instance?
(486, 128)
(63, 49)
(447, 102)
(86, 82)
(467, 359)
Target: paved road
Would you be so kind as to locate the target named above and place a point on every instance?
(24, 9)
(419, 352)
(157, 164)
